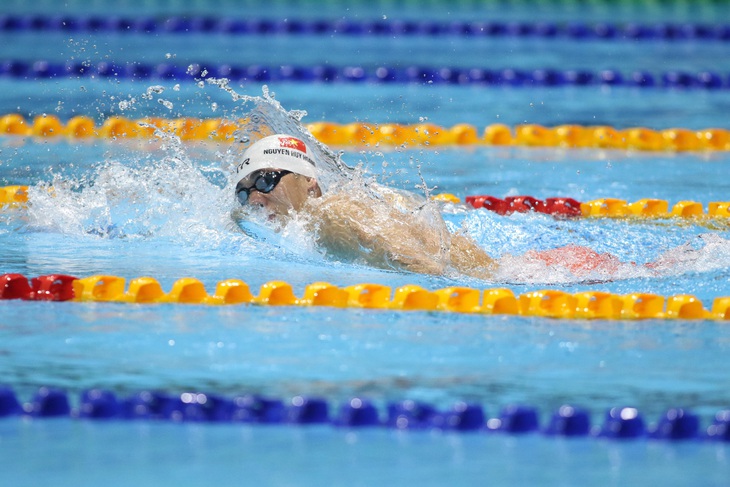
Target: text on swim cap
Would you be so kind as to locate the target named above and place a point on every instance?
(269, 152)
(287, 152)
(245, 162)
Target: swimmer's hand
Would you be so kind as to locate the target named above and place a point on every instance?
(255, 225)
(259, 232)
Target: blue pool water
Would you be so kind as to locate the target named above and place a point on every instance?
(160, 208)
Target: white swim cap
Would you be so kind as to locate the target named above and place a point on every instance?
(277, 152)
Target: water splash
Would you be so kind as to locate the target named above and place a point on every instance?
(266, 117)
(705, 253)
(161, 192)
(628, 249)
(168, 197)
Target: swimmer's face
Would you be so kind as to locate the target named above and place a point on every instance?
(290, 191)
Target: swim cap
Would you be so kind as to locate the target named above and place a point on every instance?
(277, 152)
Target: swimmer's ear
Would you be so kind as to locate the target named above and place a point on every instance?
(313, 188)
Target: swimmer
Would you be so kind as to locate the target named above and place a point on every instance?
(380, 226)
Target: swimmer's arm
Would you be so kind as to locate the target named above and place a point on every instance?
(416, 247)
(346, 224)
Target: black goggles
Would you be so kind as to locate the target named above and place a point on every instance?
(262, 181)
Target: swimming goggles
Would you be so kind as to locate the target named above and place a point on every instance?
(263, 181)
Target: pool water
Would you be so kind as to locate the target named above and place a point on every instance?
(161, 208)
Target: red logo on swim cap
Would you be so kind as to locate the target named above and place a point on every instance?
(293, 143)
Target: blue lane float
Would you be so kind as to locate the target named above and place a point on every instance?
(620, 423)
(42, 69)
(178, 25)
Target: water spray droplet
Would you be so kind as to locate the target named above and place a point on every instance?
(167, 104)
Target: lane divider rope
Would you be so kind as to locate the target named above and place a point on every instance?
(43, 69)
(549, 303)
(647, 208)
(363, 134)
(619, 423)
(606, 31)
(561, 207)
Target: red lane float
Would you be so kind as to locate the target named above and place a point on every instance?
(15, 286)
(562, 207)
(53, 287)
(601, 208)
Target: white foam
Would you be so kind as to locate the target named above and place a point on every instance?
(705, 253)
